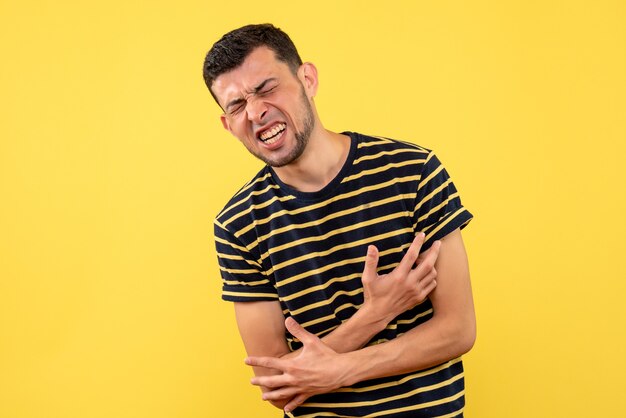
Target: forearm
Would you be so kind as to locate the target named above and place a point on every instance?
(385, 297)
(258, 320)
(319, 369)
(350, 335)
(431, 343)
(354, 333)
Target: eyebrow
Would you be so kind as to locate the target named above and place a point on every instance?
(255, 90)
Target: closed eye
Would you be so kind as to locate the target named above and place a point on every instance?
(235, 106)
(266, 86)
(266, 91)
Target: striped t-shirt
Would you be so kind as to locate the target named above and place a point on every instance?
(306, 250)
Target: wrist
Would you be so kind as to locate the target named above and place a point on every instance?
(351, 368)
(374, 317)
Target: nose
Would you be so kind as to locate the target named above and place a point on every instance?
(256, 110)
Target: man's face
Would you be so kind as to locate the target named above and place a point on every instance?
(267, 107)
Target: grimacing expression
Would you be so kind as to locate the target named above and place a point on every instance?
(266, 106)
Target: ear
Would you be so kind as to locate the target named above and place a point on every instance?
(224, 121)
(307, 74)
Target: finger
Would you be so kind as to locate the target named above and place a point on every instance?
(299, 332)
(429, 260)
(429, 288)
(371, 263)
(271, 381)
(425, 279)
(408, 261)
(267, 362)
(280, 394)
(426, 287)
(295, 402)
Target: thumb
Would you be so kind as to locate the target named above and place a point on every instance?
(299, 332)
(371, 263)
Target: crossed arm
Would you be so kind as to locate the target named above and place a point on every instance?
(340, 358)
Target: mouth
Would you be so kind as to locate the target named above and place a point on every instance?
(272, 135)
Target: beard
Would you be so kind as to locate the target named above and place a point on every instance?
(302, 137)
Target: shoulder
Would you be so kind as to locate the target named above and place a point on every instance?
(401, 157)
(377, 142)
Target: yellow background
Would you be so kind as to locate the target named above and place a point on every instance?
(113, 164)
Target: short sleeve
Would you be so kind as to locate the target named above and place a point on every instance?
(438, 207)
(243, 277)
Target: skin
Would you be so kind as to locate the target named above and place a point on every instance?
(263, 93)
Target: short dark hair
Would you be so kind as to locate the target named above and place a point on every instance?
(232, 49)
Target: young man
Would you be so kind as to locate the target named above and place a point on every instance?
(319, 251)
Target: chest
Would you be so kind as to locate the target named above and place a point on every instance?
(315, 257)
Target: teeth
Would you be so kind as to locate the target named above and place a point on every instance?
(265, 136)
(274, 138)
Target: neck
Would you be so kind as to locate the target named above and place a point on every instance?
(321, 161)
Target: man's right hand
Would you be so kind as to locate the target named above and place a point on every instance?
(389, 295)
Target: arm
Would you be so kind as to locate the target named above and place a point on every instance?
(450, 333)
(262, 324)
(262, 329)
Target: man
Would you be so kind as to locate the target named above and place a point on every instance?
(319, 251)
